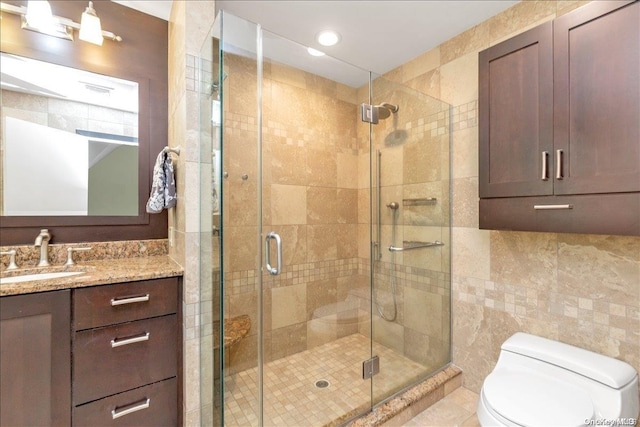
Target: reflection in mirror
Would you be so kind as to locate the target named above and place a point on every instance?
(69, 141)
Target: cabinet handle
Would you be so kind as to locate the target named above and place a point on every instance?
(129, 300)
(118, 342)
(552, 207)
(128, 409)
(559, 164)
(545, 166)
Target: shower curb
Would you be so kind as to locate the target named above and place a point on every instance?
(401, 408)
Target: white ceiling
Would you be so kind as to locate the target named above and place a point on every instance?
(377, 35)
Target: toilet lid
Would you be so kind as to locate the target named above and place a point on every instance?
(529, 399)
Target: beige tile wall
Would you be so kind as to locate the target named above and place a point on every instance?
(580, 289)
(310, 198)
(316, 195)
(189, 26)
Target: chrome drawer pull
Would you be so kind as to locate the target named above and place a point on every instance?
(545, 162)
(117, 413)
(118, 342)
(559, 174)
(129, 300)
(552, 207)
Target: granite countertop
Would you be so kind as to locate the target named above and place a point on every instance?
(95, 272)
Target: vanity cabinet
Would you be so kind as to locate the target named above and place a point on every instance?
(35, 359)
(560, 125)
(125, 354)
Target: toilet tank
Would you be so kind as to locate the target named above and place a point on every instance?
(611, 382)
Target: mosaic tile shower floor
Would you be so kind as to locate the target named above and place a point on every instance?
(292, 399)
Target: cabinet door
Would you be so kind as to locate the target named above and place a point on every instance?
(35, 359)
(597, 99)
(516, 115)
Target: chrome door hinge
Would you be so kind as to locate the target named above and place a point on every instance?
(370, 367)
(369, 113)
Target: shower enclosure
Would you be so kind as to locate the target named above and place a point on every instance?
(325, 249)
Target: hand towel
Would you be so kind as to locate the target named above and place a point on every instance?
(163, 187)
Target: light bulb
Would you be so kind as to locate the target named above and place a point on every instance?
(90, 29)
(39, 14)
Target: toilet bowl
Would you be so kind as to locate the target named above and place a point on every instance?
(540, 382)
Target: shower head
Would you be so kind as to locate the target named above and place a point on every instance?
(385, 109)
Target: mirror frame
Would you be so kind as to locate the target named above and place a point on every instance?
(140, 33)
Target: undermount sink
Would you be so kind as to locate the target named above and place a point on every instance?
(37, 276)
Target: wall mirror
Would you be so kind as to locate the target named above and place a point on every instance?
(111, 144)
(69, 141)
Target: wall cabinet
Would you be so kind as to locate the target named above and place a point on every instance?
(560, 125)
(102, 355)
(35, 360)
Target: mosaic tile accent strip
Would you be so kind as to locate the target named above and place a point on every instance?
(465, 116)
(238, 282)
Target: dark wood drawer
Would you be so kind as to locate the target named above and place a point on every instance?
(153, 405)
(117, 358)
(110, 304)
(615, 214)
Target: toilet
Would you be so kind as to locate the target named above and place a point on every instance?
(540, 382)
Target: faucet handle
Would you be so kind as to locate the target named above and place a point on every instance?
(12, 259)
(70, 252)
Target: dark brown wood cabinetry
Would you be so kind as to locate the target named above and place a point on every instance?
(125, 354)
(560, 125)
(35, 360)
(101, 355)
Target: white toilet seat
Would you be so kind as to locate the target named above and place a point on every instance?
(523, 397)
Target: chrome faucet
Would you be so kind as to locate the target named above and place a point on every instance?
(42, 241)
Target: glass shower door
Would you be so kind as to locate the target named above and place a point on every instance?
(412, 272)
(316, 297)
(295, 239)
(327, 236)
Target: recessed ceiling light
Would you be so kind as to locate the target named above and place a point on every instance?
(314, 52)
(328, 37)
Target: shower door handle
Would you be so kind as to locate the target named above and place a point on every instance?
(267, 253)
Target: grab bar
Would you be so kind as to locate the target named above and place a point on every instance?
(420, 201)
(408, 245)
(273, 271)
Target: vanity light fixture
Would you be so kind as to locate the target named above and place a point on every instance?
(39, 14)
(57, 26)
(328, 37)
(90, 29)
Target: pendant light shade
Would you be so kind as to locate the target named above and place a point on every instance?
(39, 14)
(90, 29)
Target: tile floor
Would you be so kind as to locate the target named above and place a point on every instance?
(292, 399)
(457, 409)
